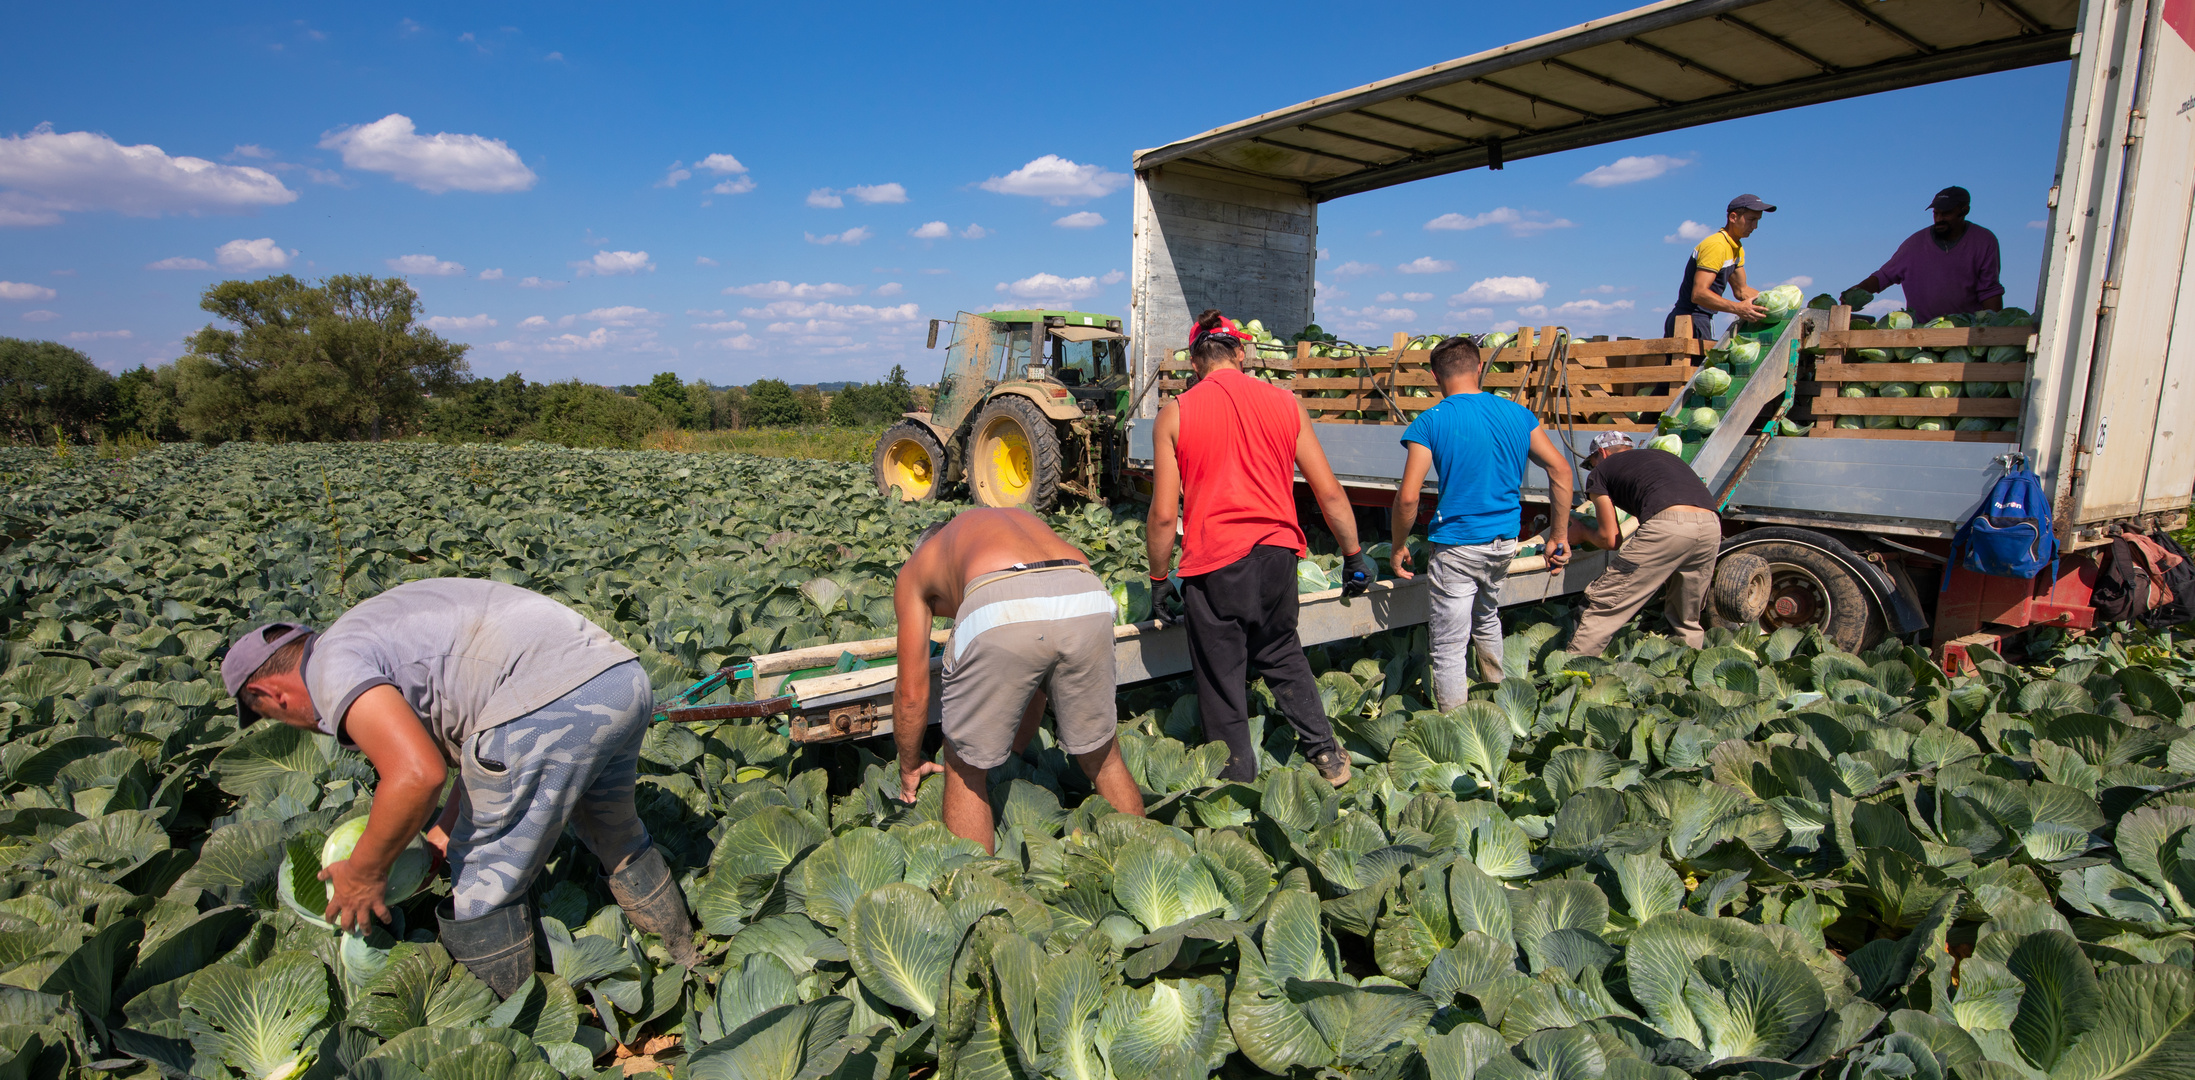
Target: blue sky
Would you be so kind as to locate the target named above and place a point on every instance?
(733, 192)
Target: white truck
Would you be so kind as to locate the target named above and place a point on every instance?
(1854, 524)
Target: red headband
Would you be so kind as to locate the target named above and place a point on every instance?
(1227, 328)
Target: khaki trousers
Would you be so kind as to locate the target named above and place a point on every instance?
(1674, 544)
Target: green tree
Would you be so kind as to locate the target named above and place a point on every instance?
(504, 408)
(578, 414)
(44, 385)
(700, 406)
(811, 404)
(300, 362)
(876, 403)
(668, 396)
(771, 403)
(146, 403)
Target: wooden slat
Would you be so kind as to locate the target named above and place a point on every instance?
(1584, 375)
(2000, 408)
(1650, 403)
(1640, 347)
(1919, 338)
(1920, 372)
(1826, 431)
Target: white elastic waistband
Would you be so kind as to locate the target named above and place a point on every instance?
(1030, 609)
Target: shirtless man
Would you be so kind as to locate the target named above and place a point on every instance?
(1029, 617)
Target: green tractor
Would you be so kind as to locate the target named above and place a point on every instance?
(1030, 406)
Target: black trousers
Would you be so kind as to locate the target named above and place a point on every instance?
(1703, 325)
(1242, 619)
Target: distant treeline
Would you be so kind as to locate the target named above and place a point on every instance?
(344, 359)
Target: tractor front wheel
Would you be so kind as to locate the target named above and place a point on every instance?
(910, 461)
(1013, 456)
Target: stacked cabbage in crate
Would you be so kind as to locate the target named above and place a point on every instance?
(1839, 384)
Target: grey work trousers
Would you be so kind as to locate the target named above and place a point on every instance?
(1466, 599)
(1677, 546)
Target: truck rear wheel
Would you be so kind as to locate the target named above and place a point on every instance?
(1742, 586)
(1808, 587)
(1013, 456)
(910, 459)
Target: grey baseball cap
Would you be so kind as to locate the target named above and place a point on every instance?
(1606, 440)
(250, 653)
(1752, 202)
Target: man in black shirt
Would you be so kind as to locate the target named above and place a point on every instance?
(1678, 537)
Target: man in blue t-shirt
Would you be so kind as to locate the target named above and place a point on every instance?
(1477, 442)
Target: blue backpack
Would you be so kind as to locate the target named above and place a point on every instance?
(2009, 534)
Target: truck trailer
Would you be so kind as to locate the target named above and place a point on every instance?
(1856, 525)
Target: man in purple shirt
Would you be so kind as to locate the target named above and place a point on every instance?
(1948, 268)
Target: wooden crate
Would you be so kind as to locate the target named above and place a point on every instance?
(1819, 388)
(1621, 376)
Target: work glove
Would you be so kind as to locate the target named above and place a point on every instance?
(1166, 605)
(1358, 572)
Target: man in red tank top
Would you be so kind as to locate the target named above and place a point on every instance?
(1227, 453)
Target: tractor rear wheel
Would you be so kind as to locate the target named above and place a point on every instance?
(910, 459)
(1013, 456)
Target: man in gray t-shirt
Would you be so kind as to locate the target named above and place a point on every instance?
(541, 711)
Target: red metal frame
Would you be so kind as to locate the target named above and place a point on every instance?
(1979, 608)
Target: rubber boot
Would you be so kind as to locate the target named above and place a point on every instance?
(498, 948)
(652, 903)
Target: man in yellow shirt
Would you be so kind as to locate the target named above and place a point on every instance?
(1718, 263)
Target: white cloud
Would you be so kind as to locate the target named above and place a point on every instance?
(741, 342)
(890, 288)
(1372, 317)
(425, 266)
(41, 315)
(495, 274)
(533, 321)
(179, 262)
(622, 315)
(1352, 269)
(854, 235)
(1604, 290)
(872, 194)
(1501, 290)
(1112, 277)
(251, 150)
(437, 163)
(704, 260)
(1050, 287)
(1631, 170)
(931, 230)
(1802, 281)
(1387, 298)
(2038, 224)
(794, 309)
(1521, 223)
(1472, 314)
(23, 290)
(97, 335)
(616, 262)
(716, 313)
(537, 283)
(935, 270)
(47, 173)
(260, 254)
(976, 232)
(725, 327)
(1081, 219)
(1325, 291)
(673, 175)
(326, 176)
(458, 322)
(1688, 232)
(824, 198)
(738, 185)
(1425, 264)
(1576, 308)
(1057, 180)
(556, 56)
(721, 164)
(775, 290)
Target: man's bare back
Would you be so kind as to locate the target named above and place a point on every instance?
(976, 543)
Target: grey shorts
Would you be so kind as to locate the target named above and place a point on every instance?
(571, 762)
(1017, 632)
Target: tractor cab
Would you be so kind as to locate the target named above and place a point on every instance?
(1027, 407)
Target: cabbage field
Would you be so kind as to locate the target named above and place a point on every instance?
(1767, 858)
